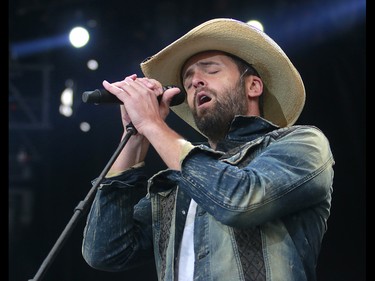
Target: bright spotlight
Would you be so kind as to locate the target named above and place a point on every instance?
(256, 24)
(79, 37)
(67, 97)
(65, 110)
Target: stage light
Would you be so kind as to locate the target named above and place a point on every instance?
(79, 37)
(66, 106)
(256, 24)
(92, 65)
(67, 97)
(85, 127)
(65, 110)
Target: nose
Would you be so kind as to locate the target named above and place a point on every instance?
(198, 80)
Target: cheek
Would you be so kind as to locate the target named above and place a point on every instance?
(190, 99)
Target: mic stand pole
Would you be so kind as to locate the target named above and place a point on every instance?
(82, 207)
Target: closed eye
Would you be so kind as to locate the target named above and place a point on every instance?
(187, 84)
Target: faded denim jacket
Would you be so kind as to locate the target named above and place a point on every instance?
(264, 198)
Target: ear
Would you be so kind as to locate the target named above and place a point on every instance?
(254, 86)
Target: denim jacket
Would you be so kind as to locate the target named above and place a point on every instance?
(264, 198)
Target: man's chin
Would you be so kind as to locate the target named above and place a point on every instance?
(202, 113)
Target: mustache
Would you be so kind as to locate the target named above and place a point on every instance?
(209, 93)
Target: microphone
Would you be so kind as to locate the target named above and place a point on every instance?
(103, 96)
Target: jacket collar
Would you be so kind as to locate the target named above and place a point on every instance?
(244, 129)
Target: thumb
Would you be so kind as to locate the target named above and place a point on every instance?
(173, 95)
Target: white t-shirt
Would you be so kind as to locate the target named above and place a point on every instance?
(186, 258)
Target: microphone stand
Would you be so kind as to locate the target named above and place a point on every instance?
(82, 207)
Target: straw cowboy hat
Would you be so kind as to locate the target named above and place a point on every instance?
(284, 91)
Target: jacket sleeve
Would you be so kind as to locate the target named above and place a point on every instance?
(117, 234)
(286, 174)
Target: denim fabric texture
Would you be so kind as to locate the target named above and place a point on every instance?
(264, 198)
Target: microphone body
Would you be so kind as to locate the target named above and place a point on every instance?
(102, 96)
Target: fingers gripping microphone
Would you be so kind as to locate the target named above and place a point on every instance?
(103, 96)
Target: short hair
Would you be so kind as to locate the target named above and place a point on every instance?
(244, 67)
(247, 69)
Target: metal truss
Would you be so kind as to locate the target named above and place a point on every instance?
(29, 97)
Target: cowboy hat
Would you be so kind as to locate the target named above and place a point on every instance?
(284, 91)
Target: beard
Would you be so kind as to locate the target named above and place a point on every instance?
(215, 122)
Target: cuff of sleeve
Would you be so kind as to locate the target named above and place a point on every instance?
(112, 174)
(186, 148)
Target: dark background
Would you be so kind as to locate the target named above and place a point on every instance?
(51, 161)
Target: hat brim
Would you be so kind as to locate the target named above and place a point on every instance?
(284, 91)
